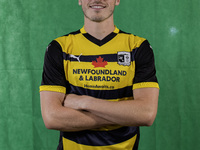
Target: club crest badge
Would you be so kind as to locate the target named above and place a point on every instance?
(124, 58)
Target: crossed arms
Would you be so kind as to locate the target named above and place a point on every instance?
(75, 113)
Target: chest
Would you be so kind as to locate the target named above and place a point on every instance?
(107, 67)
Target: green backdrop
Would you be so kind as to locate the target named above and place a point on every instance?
(171, 26)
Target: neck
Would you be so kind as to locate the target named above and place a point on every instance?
(99, 30)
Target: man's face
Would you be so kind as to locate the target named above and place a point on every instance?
(98, 10)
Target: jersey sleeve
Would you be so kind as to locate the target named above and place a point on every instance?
(145, 72)
(53, 76)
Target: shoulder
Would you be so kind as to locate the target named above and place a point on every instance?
(140, 46)
(58, 44)
(134, 40)
(67, 36)
(66, 39)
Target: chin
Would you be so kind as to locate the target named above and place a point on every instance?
(97, 19)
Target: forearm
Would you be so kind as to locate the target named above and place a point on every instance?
(126, 113)
(138, 112)
(67, 119)
(58, 117)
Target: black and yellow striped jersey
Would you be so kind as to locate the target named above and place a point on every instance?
(108, 69)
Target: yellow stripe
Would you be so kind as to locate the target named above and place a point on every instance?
(62, 41)
(107, 128)
(121, 99)
(116, 30)
(145, 85)
(126, 145)
(53, 88)
(83, 30)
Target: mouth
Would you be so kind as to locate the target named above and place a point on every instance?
(97, 6)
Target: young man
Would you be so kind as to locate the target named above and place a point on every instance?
(99, 84)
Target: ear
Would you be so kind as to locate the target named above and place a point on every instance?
(117, 2)
(79, 2)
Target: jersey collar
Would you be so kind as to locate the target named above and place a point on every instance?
(97, 41)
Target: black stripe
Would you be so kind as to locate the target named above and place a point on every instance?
(60, 145)
(102, 138)
(135, 147)
(107, 57)
(144, 64)
(133, 54)
(74, 33)
(120, 31)
(100, 42)
(103, 94)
